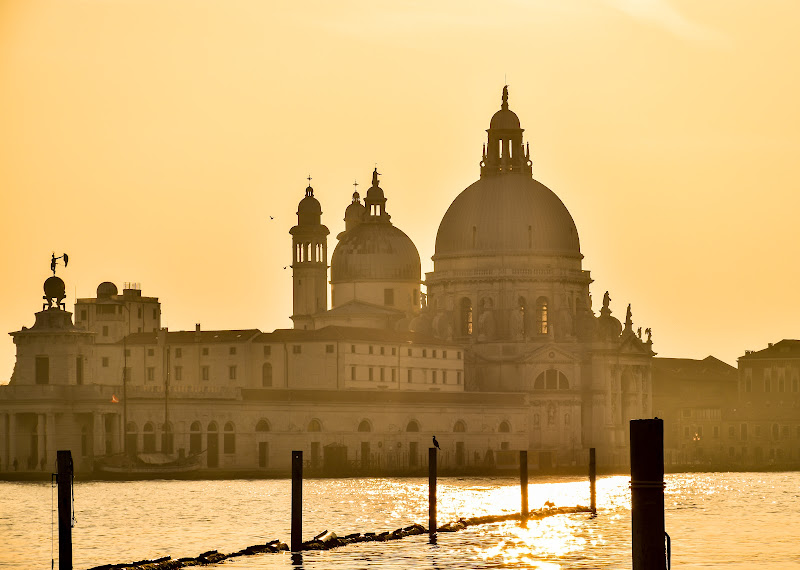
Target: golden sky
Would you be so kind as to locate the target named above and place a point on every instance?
(153, 139)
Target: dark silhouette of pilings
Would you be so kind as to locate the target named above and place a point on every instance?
(523, 482)
(432, 491)
(592, 481)
(64, 478)
(647, 494)
(297, 501)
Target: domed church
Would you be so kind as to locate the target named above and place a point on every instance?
(496, 350)
(508, 287)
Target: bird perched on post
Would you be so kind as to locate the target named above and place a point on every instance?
(436, 443)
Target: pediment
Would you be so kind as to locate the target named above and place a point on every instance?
(551, 352)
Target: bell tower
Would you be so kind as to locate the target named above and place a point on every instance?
(309, 262)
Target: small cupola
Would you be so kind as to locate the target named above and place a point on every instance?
(504, 153)
(375, 202)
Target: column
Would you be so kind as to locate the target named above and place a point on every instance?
(4, 463)
(50, 442)
(12, 440)
(40, 435)
(97, 434)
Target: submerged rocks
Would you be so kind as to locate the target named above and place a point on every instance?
(327, 540)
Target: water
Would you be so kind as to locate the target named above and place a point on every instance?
(730, 520)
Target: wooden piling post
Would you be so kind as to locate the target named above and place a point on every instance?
(432, 491)
(523, 482)
(592, 481)
(647, 494)
(64, 478)
(297, 500)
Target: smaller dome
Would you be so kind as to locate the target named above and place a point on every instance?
(309, 210)
(375, 194)
(54, 288)
(354, 213)
(608, 327)
(504, 120)
(106, 289)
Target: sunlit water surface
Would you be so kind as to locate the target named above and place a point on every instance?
(731, 520)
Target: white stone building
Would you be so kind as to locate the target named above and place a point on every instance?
(501, 352)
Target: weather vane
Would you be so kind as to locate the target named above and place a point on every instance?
(54, 261)
(309, 179)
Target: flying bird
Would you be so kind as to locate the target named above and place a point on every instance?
(435, 443)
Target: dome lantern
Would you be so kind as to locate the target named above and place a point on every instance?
(375, 201)
(505, 153)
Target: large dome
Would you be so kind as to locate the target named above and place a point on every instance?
(375, 251)
(509, 214)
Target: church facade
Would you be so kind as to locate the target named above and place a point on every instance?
(495, 350)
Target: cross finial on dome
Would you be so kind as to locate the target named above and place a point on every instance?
(504, 106)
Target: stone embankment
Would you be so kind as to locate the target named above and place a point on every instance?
(327, 540)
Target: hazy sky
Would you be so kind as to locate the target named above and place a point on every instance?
(153, 139)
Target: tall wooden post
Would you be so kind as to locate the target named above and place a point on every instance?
(647, 494)
(592, 481)
(64, 477)
(297, 500)
(432, 491)
(523, 482)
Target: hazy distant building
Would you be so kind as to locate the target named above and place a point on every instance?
(502, 351)
(696, 399)
(766, 426)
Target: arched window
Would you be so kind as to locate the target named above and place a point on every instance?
(262, 425)
(541, 315)
(149, 438)
(504, 427)
(213, 426)
(551, 380)
(364, 426)
(266, 375)
(412, 426)
(314, 425)
(459, 427)
(229, 439)
(465, 320)
(195, 438)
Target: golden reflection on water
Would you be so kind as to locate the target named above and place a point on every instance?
(539, 543)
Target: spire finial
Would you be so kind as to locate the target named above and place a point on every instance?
(504, 106)
(356, 196)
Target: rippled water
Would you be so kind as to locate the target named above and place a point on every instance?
(731, 520)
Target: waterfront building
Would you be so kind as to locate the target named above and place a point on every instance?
(501, 351)
(696, 400)
(766, 427)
